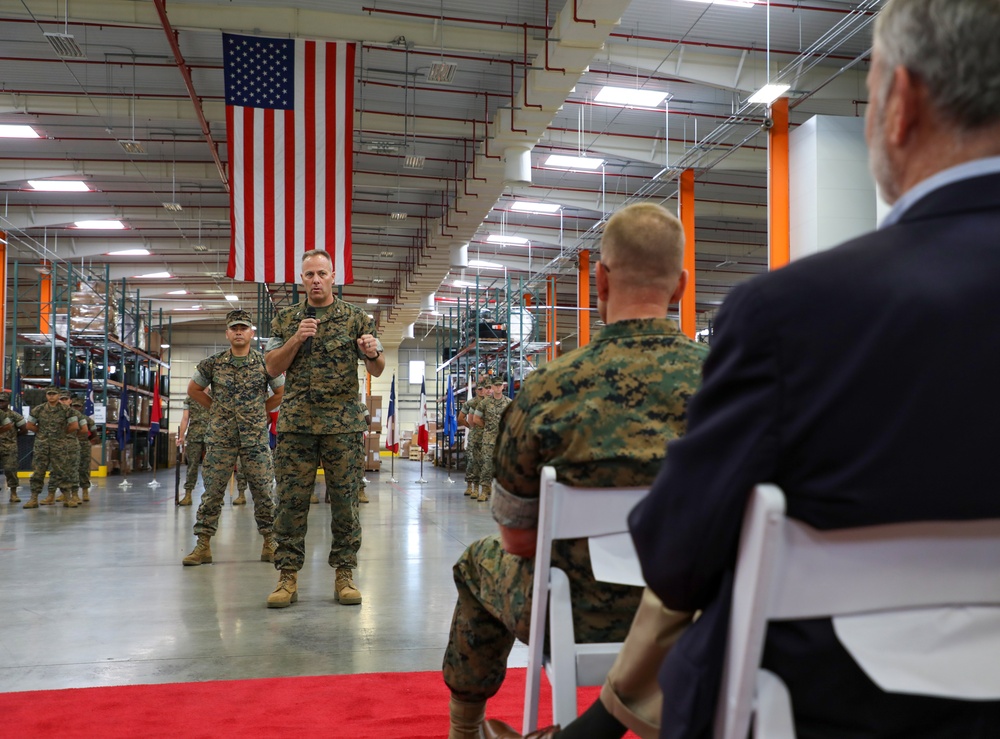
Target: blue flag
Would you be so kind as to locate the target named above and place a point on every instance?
(16, 401)
(450, 417)
(392, 422)
(124, 431)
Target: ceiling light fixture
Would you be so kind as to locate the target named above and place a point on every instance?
(13, 131)
(232, 298)
(377, 280)
(155, 276)
(482, 264)
(59, 185)
(199, 247)
(193, 307)
(412, 161)
(385, 254)
(732, 3)
(442, 72)
(630, 96)
(178, 292)
(372, 301)
(398, 215)
(563, 161)
(528, 206)
(131, 146)
(111, 225)
(769, 93)
(65, 46)
(129, 253)
(504, 239)
(173, 207)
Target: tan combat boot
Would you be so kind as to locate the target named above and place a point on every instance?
(86, 495)
(69, 499)
(186, 500)
(363, 497)
(49, 500)
(347, 594)
(469, 489)
(287, 591)
(267, 551)
(484, 493)
(60, 498)
(202, 554)
(466, 718)
(314, 498)
(13, 496)
(240, 499)
(75, 493)
(32, 501)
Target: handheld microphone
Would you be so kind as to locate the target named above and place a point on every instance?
(308, 344)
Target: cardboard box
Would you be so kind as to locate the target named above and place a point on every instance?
(373, 461)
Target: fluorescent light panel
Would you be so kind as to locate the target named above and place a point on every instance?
(768, 94)
(502, 239)
(132, 147)
(178, 292)
(173, 207)
(442, 72)
(398, 215)
(110, 225)
(732, 3)
(59, 185)
(232, 298)
(12, 131)
(129, 253)
(372, 301)
(482, 264)
(567, 162)
(65, 46)
(528, 206)
(154, 276)
(629, 96)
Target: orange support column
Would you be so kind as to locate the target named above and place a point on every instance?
(45, 300)
(550, 324)
(583, 298)
(779, 226)
(687, 220)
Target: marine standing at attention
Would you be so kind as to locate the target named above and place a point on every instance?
(318, 344)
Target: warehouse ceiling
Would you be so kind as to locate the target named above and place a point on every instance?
(139, 116)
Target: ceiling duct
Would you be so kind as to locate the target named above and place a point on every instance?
(65, 46)
(460, 256)
(517, 165)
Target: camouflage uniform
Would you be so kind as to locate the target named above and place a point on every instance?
(321, 420)
(475, 434)
(491, 411)
(601, 415)
(68, 451)
(237, 429)
(241, 479)
(51, 421)
(194, 440)
(8, 446)
(87, 426)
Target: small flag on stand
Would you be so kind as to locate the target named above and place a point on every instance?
(154, 412)
(450, 416)
(88, 402)
(392, 422)
(423, 440)
(124, 428)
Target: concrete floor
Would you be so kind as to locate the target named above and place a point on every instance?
(97, 595)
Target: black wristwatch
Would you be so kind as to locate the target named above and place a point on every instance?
(378, 353)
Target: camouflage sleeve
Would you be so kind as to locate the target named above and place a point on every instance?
(277, 338)
(516, 466)
(367, 326)
(203, 372)
(275, 382)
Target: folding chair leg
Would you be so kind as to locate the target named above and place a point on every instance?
(773, 717)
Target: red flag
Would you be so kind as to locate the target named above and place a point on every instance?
(422, 437)
(290, 125)
(154, 411)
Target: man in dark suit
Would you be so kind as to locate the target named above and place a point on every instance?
(862, 381)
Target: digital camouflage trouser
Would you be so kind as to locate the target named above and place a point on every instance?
(494, 608)
(194, 451)
(83, 471)
(9, 462)
(218, 469)
(296, 459)
(48, 456)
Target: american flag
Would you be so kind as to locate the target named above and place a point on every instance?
(290, 124)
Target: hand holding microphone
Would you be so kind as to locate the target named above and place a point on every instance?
(307, 345)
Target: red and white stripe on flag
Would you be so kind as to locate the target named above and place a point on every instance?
(290, 124)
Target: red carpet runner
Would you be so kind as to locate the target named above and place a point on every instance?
(382, 705)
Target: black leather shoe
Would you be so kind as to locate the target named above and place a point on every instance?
(493, 729)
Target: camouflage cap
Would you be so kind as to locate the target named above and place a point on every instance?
(64, 394)
(4, 394)
(52, 391)
(77, 401)
(238, 317)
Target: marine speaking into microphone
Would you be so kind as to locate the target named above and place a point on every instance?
(320, 423)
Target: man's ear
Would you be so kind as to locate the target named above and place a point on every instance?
(904, 105)
(682, 282)
(602, 282)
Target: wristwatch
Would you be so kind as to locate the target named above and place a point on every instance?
(378, 353)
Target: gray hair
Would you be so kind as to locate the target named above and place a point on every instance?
(953, 46)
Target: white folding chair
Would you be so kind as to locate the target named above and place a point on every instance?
(788, 570)
(599, 514)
